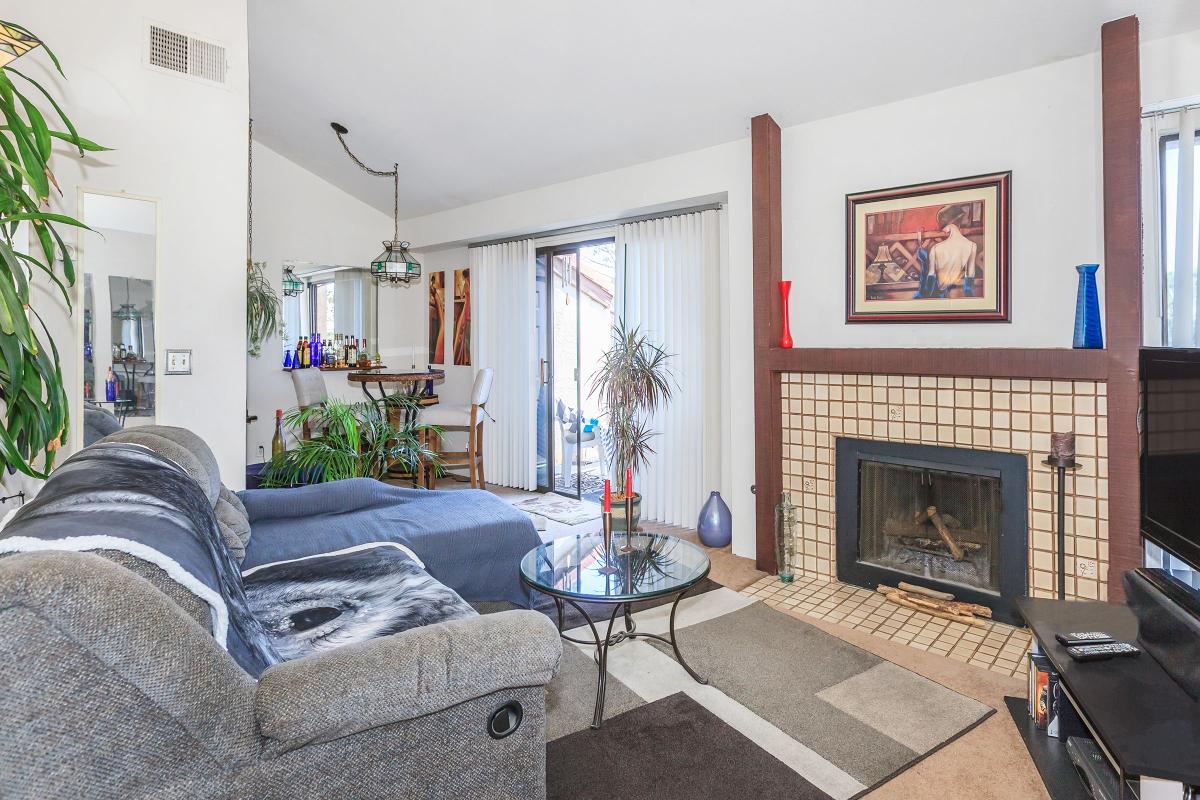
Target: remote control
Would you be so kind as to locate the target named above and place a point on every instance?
(1098, 652)
(1075, 638)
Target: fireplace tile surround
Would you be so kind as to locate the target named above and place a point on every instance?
(1000, 414)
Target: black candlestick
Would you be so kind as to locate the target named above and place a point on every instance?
(1062, 465)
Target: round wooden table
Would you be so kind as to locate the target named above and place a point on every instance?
(409, 381)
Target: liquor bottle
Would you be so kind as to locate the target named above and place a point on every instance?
(353, 359)
(110, 386)
(314, 355)
(364, 351)
(277, 442)
(303, 352)
(296, 360)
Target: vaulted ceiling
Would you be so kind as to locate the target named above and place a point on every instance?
(479, 98)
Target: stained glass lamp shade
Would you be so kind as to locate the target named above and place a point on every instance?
(14, 43)
(292, 286)
(395, 264)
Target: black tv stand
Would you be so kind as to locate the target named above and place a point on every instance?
(1145, 724)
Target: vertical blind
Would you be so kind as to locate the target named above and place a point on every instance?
(1172, 251)
(667, 273)
(502, 336)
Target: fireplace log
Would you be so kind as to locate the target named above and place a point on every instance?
(936, 546)
(956, 552)
(946, 604)
(900, 528)
(900, 599)
(934, 593)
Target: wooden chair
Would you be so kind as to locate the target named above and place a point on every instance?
(310, 391)
(464, 418)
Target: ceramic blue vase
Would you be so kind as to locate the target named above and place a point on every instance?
(715, 525)
(1088, 335)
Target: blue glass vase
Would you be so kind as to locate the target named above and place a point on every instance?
(1088, 335)
(715, 525)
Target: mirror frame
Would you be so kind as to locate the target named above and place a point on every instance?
(77, 299)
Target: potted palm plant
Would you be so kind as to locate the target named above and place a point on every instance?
(33, 398)
(631, 382)
(354, 440)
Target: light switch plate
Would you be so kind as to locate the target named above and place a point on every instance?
(179, 362)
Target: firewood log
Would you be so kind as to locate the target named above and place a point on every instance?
(956, 552)
(897, 598)
(912, 589)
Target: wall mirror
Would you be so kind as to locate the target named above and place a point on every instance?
(338, 303)
(119, 259)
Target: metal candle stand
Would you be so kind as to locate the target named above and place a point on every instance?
(1062, 464)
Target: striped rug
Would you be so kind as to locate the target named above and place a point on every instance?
(790, 711)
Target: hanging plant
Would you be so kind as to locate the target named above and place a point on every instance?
(32, 396)
(263, 307)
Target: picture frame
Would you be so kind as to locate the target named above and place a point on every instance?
(930, 252)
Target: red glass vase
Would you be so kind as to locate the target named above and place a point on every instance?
(785, 338)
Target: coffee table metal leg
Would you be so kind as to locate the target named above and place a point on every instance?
(602, 683)
(675, 642)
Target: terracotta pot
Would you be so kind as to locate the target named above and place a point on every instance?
(618, 512)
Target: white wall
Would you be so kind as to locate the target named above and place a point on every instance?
(1042, 124)
(300, 217)
(183, 143)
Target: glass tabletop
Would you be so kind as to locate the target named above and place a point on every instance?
(576, 567)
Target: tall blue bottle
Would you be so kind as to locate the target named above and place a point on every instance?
(1088, 335)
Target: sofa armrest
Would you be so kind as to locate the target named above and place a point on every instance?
(420, 671)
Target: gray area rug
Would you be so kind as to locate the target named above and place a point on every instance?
(864, 715)
(671, 749)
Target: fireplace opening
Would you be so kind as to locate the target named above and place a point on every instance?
(930, 523)
(947, 518)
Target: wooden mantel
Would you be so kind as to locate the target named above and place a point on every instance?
(1118, 365)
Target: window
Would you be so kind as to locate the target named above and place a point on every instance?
(1173, 217)
(335, 301)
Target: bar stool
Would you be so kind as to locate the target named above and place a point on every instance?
(310, 391)
(464, 418)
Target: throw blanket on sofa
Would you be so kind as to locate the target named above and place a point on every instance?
(325, 601)
(125, 497)
(469, 540)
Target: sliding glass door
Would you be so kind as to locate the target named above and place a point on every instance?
(575, 285)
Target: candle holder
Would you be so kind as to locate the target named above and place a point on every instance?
(1061, 464)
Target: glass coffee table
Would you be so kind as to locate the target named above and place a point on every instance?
(575, 569)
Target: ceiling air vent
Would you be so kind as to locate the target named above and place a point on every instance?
(185, 55)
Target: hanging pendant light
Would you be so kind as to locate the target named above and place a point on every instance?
(292, 286)
(395, 265)
(15, 42)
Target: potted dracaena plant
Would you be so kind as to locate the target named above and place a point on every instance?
(34, 409)
(632, 382)
(353, 440)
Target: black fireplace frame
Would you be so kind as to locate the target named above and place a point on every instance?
(1011, 468)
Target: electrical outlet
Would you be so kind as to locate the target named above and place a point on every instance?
(895, 414)
(810, 485)
(1085, 568)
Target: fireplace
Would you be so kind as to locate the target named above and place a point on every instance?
(945, 518)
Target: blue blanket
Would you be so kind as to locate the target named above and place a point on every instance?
(470, 540)
(124, 497)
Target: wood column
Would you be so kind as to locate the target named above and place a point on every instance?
(1122, 109)
(767, 431)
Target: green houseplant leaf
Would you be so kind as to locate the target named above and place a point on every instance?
(34, 413)
(263, 307)
(353, 440)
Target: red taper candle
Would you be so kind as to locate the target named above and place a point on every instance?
(607, 496)
(628, 482)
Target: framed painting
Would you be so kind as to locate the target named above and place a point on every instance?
(437, 318)
(462, 317)
(934, 252)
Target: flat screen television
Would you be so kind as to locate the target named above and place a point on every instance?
(1171, 450)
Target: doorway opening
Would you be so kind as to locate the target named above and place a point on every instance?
(575, 289)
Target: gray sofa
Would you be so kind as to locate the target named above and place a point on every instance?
(114, 687)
